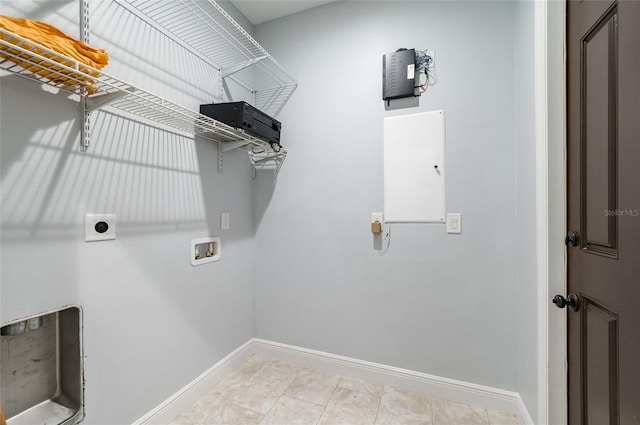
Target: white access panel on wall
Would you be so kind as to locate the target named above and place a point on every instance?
(414, 168)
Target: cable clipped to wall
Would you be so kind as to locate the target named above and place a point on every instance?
(425, 65)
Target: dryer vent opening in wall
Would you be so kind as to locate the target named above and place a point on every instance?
(41, 369)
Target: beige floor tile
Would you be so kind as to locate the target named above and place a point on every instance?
(255, 362)
(447, 412)
(348, 407)
(230, 414)
(499, 418)
(223, 390)
(278, 368)
(199, 410)
(292, 411)
(273, 392)
(260, 392)
(361, 386)
(404, 407)
(314, 386)
(230, 384)
(183, 420)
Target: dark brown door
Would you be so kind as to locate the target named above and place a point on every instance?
(603, 189)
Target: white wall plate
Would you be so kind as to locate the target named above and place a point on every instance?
(454, 223)
(99, 227)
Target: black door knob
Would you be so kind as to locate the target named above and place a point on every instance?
(571, 301)
(571, 239)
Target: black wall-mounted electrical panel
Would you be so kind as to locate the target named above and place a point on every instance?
(398, 74)
(243, 116)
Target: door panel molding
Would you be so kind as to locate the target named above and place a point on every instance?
(599, 363)
(599, 136)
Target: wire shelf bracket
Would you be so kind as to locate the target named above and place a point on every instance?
(85, 131)
(93, 103)
(220, 158)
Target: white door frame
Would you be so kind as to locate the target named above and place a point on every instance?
(549, 75)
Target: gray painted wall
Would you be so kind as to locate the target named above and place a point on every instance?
(436, 303)
(152, 322)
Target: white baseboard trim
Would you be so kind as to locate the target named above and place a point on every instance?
(179, 402)
(523, 413)
(451, 389)
(462, 392)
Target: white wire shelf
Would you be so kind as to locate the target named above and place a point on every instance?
(206, 30)
(28, 59)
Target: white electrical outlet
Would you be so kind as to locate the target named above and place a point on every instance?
(99, 227)
(377, 216)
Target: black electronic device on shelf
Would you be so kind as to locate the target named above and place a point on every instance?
(243, 116)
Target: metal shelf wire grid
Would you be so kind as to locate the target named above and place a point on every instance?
(205, 29)
(33, 61)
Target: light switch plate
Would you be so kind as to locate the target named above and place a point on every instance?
(454, 223)
(99, 227)
(224, 221)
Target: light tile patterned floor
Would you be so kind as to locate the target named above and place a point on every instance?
(265, 391)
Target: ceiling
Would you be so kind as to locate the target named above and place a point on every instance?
(261, 11)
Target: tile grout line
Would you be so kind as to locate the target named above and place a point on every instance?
(328, 401)
(375, 420)
(361, 392)
(283, 393)
(225, 400)
(433, 415)
(306, 401)
(486, 416)
(240, 386)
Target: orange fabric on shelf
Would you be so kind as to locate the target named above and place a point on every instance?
(56, 40)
